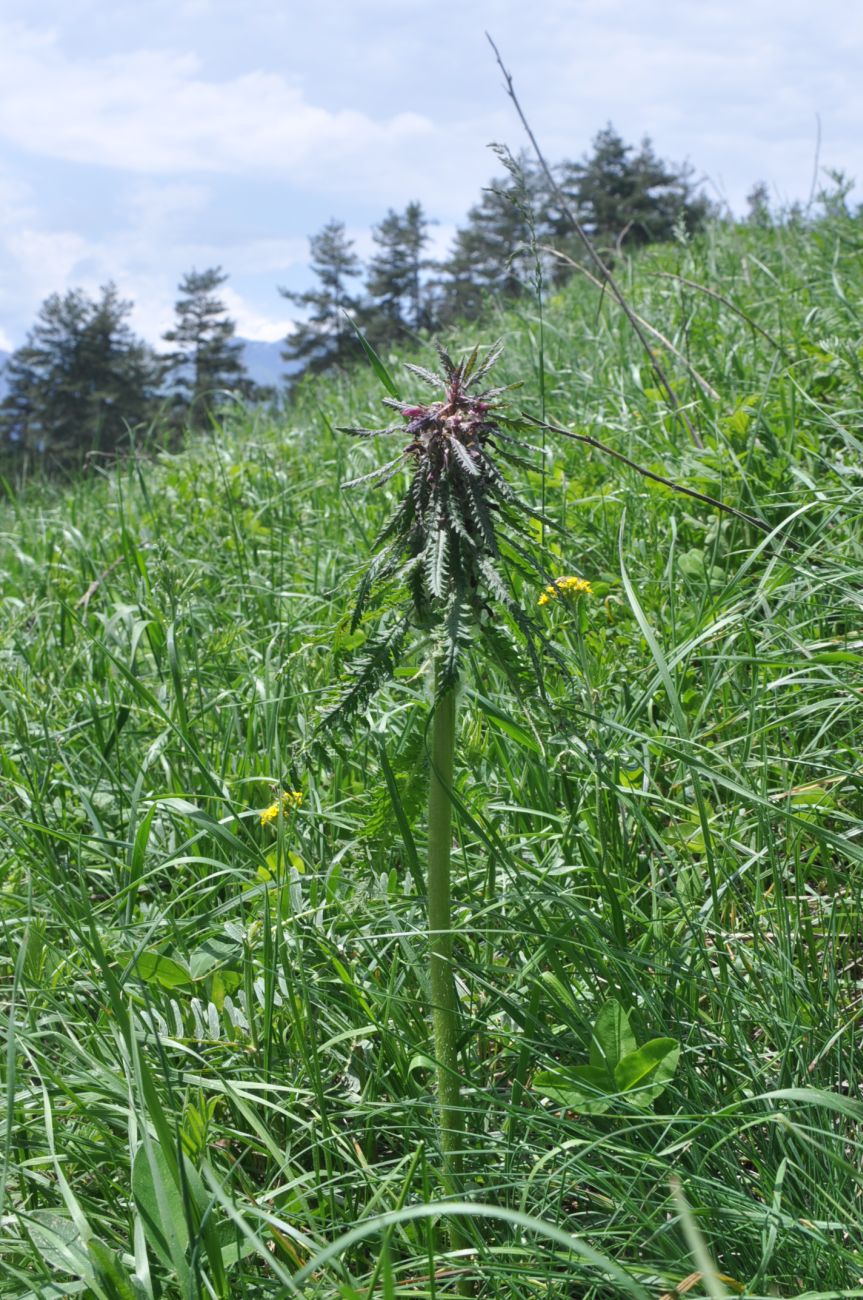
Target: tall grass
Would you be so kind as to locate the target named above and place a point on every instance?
(218, 1075)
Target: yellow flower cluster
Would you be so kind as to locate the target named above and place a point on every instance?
(566, 587)
(290, 799)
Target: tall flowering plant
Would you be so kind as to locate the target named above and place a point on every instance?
(443, 565)
(445, 558)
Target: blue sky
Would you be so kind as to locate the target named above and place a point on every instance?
(141, 138)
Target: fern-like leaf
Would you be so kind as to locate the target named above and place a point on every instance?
(381, 475)
(437, 564)
(375, 666)
(465, 459)
(486, 364)
(455, 637)
(427, 376)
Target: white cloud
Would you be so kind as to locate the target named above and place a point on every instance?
(254, 256)
(151, 111)
(220, 157)
(734, 86)
(156, 207)
(252, 324)
(161, 233)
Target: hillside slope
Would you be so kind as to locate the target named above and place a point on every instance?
(225, 1020)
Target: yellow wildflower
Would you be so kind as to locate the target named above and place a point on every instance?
(570, 586)
(290, 799)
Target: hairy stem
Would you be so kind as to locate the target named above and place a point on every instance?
(443, 993)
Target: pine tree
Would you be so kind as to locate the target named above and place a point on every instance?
(207, 358)
(399, 301)
(491, 253)
(758, 206)
(622, 194)
(325, 337)
(80, 382)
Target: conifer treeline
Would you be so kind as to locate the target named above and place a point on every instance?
(623, 196)
(83, 380)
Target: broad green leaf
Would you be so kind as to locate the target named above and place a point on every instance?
(201, 963)
(213, 953)
(112, 1276)
(160, 1205)
(612, 1037)
(154, 968)
(164, 1213)
(648, 1070)
(58, 1242)
(560, 991)
(583, 1088)
(692, 563)
(507, 724)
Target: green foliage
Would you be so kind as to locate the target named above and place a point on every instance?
(490, 255)
(623, 195)
(442, 558)
(618, 1068)
(322, 338)
(81, 383)
(398, 299)
(676, 826)
(207, 359)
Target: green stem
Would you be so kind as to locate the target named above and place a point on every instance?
(443, 993)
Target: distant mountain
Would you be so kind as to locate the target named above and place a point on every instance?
(4, 357)
(264, 362)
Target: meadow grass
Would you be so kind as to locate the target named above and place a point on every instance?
(218, 1071)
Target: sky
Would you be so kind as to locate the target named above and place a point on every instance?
(140, 139)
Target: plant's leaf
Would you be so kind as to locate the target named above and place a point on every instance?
(465, 459)
(428, 376)
(507, 724)
(456, 639)
(486, 364)
(154, 968)
(354, 431)
(446, 361)
(382, 474)
(162, 1209)
(437, 564)
(467, 366)
(374, 360)
(583, 1088)
(376, 665)
(212, 954)
(612, 1037)
(648, 1070)
(165, 1209)
(58, 1242)
(383, 565)
(112, 1276)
